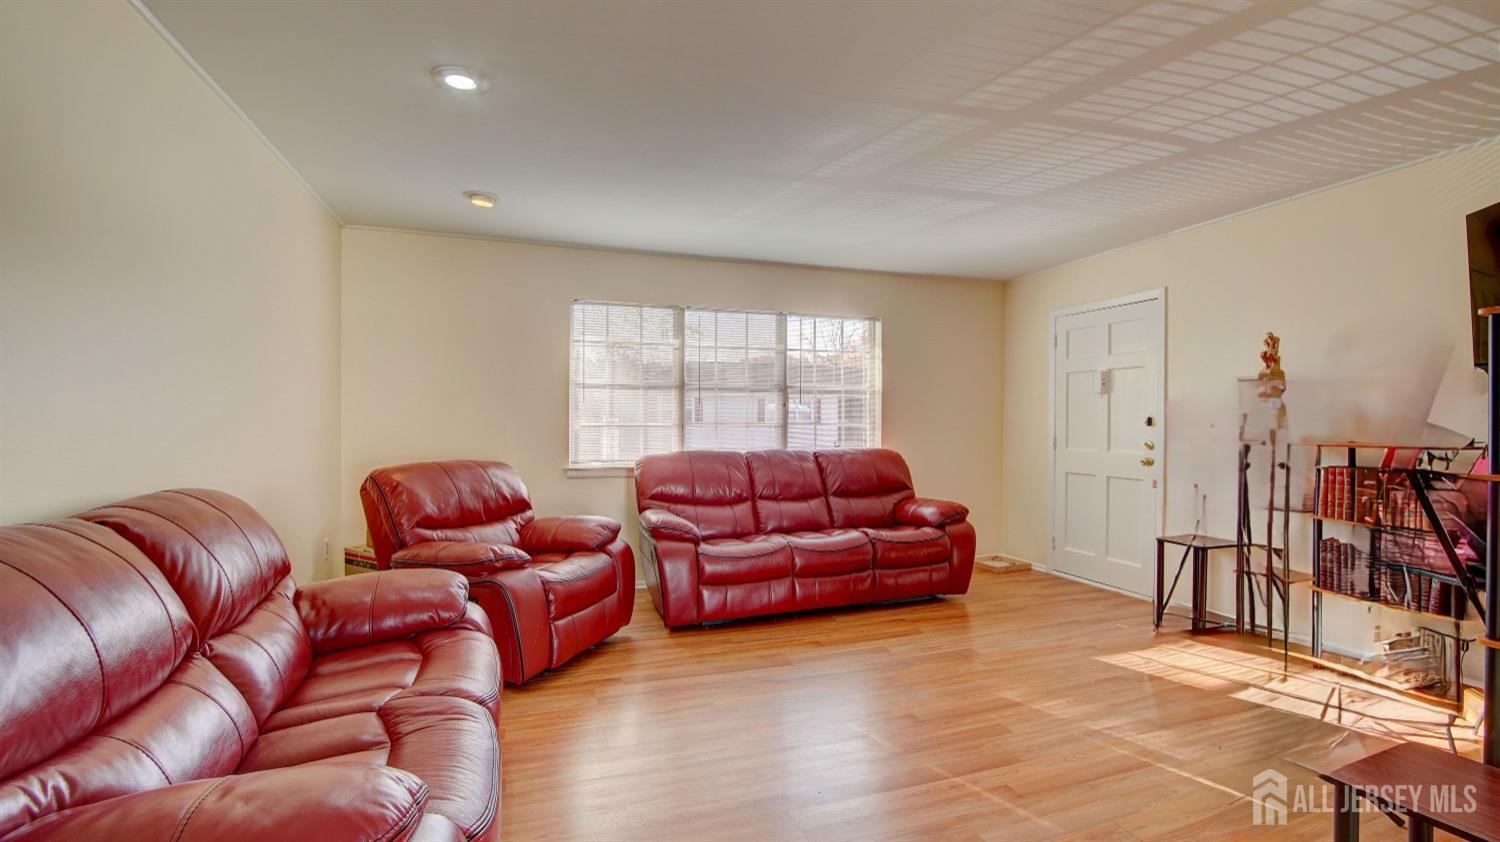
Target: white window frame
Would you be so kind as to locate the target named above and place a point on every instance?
(877, 394)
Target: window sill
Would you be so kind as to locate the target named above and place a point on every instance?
(596, 473)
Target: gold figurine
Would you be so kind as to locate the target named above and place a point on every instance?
(1272, 378)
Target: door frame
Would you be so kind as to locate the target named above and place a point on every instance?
(1159, 297)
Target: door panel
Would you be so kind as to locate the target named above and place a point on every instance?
(1081, 533)
(1127, 336)
(1106, 502)
(1124, 512)
(1085, 429)
(1126, 406)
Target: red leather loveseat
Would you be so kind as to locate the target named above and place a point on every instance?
(728, 535)
(552, 586)
(162, 677)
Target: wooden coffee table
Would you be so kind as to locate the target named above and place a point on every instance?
(1428, 787)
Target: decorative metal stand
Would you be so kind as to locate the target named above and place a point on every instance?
(1265, 562)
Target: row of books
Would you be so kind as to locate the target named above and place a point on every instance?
(1342, 567)
(1346, 569)
(1397, 585)
(1363, 495)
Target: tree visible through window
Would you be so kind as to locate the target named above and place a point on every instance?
(652, 379)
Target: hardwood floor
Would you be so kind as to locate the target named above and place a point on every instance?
(1032, 708)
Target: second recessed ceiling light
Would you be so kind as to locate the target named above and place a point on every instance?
(460, 79)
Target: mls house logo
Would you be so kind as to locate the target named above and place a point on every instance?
(1268, 798)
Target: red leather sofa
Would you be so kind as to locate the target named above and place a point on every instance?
(552, 586)
(727, 535)
(162, 677)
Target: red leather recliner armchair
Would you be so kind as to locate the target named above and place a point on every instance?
(164, 678)
(552, 586)
(729, 535)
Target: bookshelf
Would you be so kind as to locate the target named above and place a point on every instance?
(1410, 520)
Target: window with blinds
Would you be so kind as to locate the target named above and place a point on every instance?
(653, 379)
(733, 380)
(832, 382)
(626, 382)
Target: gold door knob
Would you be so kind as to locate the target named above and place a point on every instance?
(1147, 461)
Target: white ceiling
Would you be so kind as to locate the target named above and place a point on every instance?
(958, 138)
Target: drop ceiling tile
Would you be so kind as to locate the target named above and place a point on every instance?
(987, 139)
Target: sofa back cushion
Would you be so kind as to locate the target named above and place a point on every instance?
(230, 569)
(710, 488)
(788, 489)
(460, 500)
(864, 485)
(99, 697)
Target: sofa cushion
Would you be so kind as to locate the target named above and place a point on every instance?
(231, 571)
(92, 669)
(909, 546)
(734, 561)
(574, 582)
(829, 552)
(864, 486)
(266, 655)
(194, 726)
(450, 743)
(445, 662)
(708, 488)
(218, 553)
(458, 500)
(788, 491)
(89, 628)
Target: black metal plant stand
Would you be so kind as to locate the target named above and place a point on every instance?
(1275, 565)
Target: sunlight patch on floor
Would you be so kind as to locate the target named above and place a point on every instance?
(1299, 690)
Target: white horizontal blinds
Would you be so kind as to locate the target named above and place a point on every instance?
(626, 382)
(833, 382)
(733, 376)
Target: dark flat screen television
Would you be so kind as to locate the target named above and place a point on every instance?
(1484, 275)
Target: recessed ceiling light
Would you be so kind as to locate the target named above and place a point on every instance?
(460, 79)
(480, 200)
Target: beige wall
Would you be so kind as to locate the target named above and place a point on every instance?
(1366, 284)
(459, 348)
(168, 292)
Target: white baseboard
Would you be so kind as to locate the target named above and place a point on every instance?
(1100, 585)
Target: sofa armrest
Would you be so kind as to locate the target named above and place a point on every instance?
(325, 802)
(576, 534)
(925, 511)
(665, 526)
(386, 605)
(469, 558)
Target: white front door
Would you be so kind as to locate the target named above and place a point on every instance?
(1108, 441)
